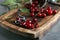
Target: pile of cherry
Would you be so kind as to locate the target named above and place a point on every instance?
(29, 24)
(36, 12)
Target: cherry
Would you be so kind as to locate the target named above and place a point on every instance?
(54, 11)
(33, 5)
(49, 8)
(50, 12)
(17, 18)
(32, 26)
(45, 11)
(24, 23)
(36, 9)
(32, 14)
(33, 10)
(44, 15)
(39, 15)
(36, 2)
(34, 20)
(41, 10)
(28, 21)
(28, 26)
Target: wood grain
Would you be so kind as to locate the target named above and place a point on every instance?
(45, 24)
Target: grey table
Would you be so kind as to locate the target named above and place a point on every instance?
(54, 34)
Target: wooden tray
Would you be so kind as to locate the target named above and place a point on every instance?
(45, 25)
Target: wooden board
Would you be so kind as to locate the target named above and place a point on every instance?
(45, 25)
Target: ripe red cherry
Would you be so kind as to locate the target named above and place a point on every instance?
(45, 11)
(49, 8)
(32, 26)
(29, 26)
(32, 14)
(34, 20)
(36, 9)
(17, 18)
(36, 2)
(50, 12)
(28, 21)
(32, 10)
(44, 15)
(39, 15)
(42, 10)
(23, 23)
(54, 11)
(33, 5)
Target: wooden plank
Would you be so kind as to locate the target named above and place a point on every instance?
(9, 13)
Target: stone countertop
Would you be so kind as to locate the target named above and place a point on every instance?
(54, 34)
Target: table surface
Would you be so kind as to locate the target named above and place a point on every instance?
(54, 34)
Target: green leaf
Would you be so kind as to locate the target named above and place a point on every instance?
(7, 2)
(12, 7)
(25, 10)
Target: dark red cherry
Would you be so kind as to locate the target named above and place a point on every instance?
(24, 23)
(17, 18)
(45, 11)
(32, 26)
(28, 26)
(50, 12)
(28, 21)
(32, 14)
(49, 8)
(32, 10)
(39, 15)
(33, 5)
(36, 9)
(36, 2)
(54, 11)
(34, 20)
(42, 10)
(44, 15)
